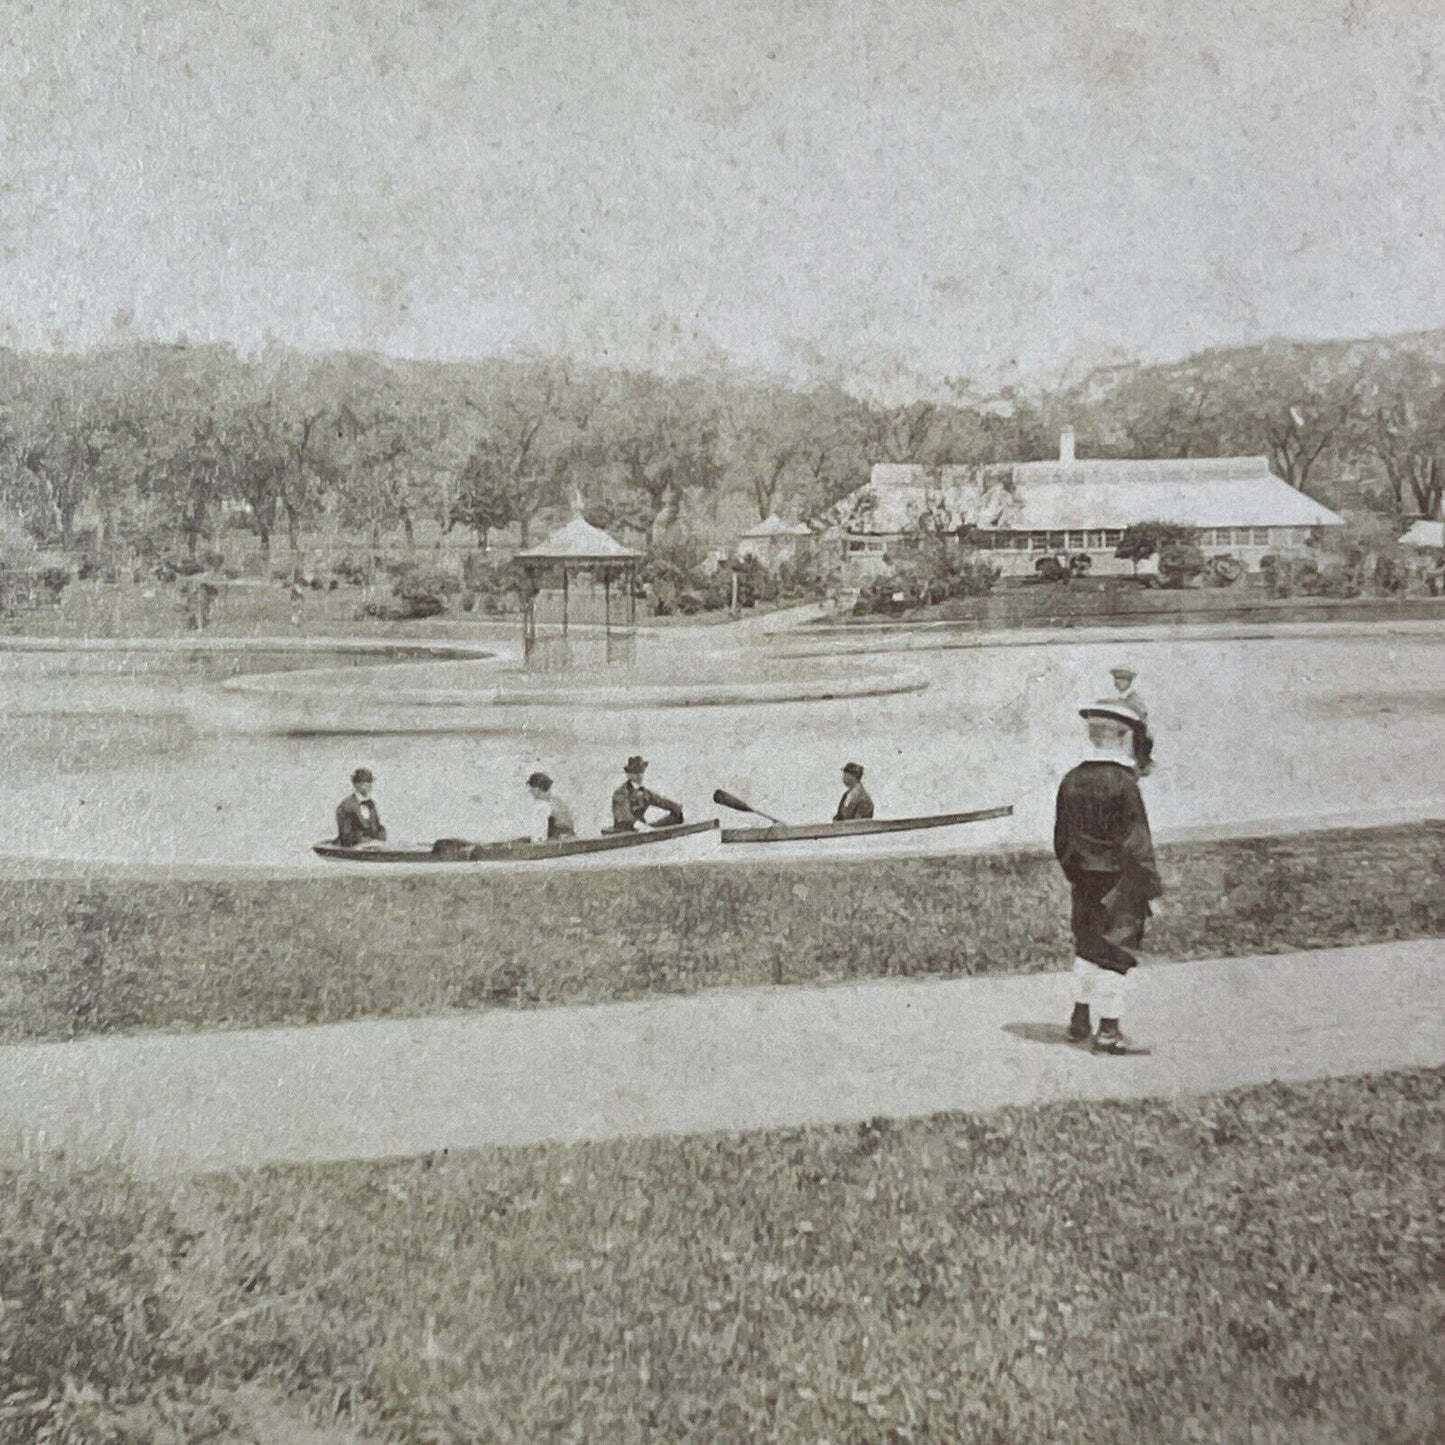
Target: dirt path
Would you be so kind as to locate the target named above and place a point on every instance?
(715, 1061)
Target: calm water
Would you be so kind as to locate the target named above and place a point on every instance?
(101, 762)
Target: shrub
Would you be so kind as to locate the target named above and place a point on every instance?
(1286, 576)
(492, 584)
(355, 570)
(1144, 539)
(1225, 570)
(1180, 563)
(53, 582)
(881, 595)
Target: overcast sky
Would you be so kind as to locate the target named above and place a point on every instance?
(863, 188)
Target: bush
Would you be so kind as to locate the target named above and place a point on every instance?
(53, 582)
(1146, 539)
(412, 580)
(1286, 576)
(1225, 570)
(1180, 563)
(354, 570)
(491, 584)
(881, 596)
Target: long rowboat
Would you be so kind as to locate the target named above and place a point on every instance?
(458, 850)
(794, 832)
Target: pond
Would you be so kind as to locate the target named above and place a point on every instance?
(102, 761)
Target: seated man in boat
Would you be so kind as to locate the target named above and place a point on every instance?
(357, 820)
(632, 800)
(553, 816)
(855, 803)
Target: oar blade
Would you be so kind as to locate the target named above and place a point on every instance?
(725, 799)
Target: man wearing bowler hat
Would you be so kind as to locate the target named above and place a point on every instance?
(855, 802)
(357, 820)
(1103, 844)
(632, 800)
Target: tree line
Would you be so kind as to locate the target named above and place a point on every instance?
(150, 441)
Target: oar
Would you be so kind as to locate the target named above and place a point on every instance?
(727, 800)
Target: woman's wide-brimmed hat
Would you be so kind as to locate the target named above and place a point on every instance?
(1115, 708)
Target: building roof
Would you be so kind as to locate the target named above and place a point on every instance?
(1424, 534)
(774, 526)
(579, 541)
(1079, 496)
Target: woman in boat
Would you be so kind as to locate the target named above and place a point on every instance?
(855, 803)
(553, 818)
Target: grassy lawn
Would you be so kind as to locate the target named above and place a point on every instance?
(82, 956)
(1262, 1266)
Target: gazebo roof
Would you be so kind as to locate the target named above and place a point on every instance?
(1424, 534)
(579, 541)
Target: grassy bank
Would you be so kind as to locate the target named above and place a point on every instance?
(79, 957)
(1261, 1266)
(1092, 602)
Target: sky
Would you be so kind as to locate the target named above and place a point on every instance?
(886, 194)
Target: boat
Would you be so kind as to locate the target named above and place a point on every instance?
(858, 828)
(460, 850)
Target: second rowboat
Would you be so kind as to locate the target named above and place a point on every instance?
(861, 827)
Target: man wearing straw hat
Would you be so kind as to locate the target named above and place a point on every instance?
(1103, 844)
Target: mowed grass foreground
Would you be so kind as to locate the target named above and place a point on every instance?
(1262, 1266)
(80, 957)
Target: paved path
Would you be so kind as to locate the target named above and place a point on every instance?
(714, 1061)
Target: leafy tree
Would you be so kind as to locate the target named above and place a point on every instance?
(666, 440)
(1403, 404)
(484, 500)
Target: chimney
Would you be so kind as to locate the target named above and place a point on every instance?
(1066, 446)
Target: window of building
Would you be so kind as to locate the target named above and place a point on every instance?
(1096, 542)
(1057, 541)
(1206, 537)
(1077, 541)
(1259, 536)
(1019, 541)
(1113, 537)
(1038, 541)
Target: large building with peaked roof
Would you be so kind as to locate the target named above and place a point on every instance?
(1019, 511)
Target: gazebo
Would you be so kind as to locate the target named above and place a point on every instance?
(578, 547)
